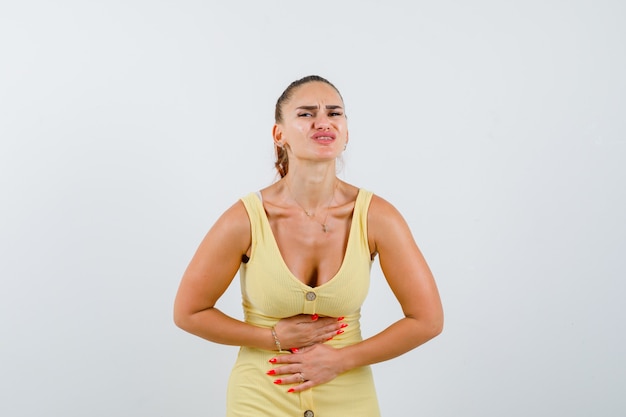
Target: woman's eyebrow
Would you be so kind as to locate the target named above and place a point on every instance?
(328, 107)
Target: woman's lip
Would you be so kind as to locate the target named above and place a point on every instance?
(324, 136)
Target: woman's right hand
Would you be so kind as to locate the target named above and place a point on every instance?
(306, 330)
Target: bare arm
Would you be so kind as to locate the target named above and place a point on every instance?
(207, 277)
(412, 283)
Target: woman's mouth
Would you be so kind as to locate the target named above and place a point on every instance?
(324, 136)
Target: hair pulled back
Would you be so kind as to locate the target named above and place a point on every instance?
(282, 160)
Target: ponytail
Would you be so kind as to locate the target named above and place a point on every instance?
(282, 161)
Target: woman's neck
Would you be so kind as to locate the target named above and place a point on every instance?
(311, 187)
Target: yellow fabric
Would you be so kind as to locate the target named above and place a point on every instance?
(271, 292)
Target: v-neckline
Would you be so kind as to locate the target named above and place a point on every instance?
(282, 259)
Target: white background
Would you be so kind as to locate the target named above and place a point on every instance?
(498, 128)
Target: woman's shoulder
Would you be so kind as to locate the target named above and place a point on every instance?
(381, 206)
(384, 218)
(235, 219)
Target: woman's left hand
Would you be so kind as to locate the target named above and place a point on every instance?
(307, 367)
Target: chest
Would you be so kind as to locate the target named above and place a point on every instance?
(313, 251)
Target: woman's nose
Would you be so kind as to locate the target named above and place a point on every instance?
(322, 122)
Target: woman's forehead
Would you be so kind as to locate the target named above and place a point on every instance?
(314, 92)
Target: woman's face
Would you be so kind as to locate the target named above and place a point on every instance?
(314, 125)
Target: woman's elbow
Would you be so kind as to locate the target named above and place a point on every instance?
(426, 328)
(182, 319)
(433, 326)
(436, 327)
(436, 322)
(179, 321)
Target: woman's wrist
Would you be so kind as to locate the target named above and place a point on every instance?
(346, 359)
(277, 345)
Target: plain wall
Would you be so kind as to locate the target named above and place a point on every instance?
(496, 128)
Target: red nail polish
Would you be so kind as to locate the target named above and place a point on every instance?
(344, 325)
(290, 390)
(294, 350)
(339, 331)
(340, 318)
(271, 372)
(330, 338)
(315, 317)
(278, 381)
(273, 360)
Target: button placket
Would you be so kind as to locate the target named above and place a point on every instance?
(310, 302)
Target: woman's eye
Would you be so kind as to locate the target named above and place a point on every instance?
(304, 115)
(336, 113)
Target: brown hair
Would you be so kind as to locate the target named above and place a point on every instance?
(282, 160)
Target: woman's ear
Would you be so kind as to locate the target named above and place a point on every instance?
(277, 134)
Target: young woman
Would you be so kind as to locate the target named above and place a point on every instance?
(304, 248)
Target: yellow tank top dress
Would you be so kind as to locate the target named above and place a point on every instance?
(271, 292)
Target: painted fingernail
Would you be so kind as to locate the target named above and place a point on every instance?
(273, 360)
(339, 331)
(271, 372)
(330, 338)
(344, 325)
(315, 317)
(278, 381)
(290, 390)
(294, 350)
(340, 318)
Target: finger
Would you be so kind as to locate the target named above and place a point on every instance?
(330, 334)
(298, 351)
(322, 336)
(286, 370)
(326, 321)
(298, 379)
(291, 379)
(301, 387)
(324, 329)
(285, 359)
(330, 324)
